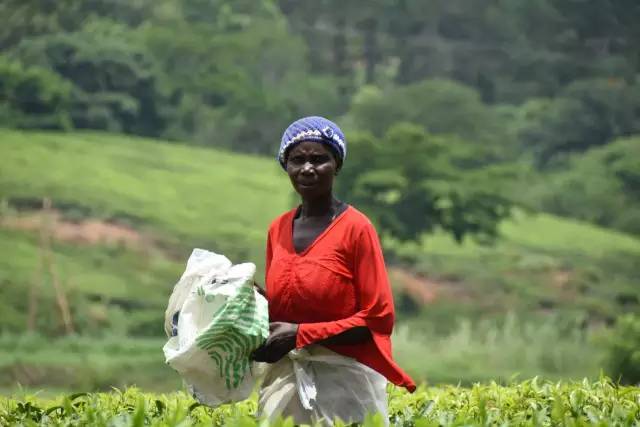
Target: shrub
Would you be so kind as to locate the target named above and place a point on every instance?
(624, 349)
(32, 97)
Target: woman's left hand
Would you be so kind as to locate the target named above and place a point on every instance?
(281, 340)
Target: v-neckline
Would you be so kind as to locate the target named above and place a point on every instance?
(318, 238)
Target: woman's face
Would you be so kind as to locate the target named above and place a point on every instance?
(311, 167)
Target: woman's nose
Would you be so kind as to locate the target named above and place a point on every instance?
(307, 167)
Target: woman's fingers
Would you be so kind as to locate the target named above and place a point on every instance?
(259, 354)
(281, 340)
(270, 352)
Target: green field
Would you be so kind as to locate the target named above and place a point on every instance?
(183, 194)
(561, 280)
(530, 403)
(175, 197)
(540, 265)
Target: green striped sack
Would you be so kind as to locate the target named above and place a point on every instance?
(221, 322)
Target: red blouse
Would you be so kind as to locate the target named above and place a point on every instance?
(337, 283)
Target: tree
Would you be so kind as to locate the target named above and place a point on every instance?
(33, 97)
(440, 106)
(24, 19)
(217, 72)
(115, 80)
(587, 113)
(411, 182)
(599, 186)
(623, 350)
(509, 51)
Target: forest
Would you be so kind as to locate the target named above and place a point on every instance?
(494, 97)
(495, 144)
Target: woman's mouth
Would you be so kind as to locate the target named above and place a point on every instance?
(306, 184)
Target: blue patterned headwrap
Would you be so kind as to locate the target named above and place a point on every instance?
(313, 128)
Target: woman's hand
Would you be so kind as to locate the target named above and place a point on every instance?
(281, 340)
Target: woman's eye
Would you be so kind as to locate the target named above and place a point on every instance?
(319, 159)
(313, 159)
(296, 159)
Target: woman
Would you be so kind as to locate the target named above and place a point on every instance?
(329, 296)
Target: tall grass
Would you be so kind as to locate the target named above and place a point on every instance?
(481, 352)
(83, 363)
(488, 350)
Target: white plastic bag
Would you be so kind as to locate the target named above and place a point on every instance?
(202, 265)
(221, 319)
(316, 385)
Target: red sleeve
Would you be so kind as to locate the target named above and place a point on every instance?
(268, 257)
(373, 291)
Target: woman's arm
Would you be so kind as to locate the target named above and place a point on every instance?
(282, 339)
(356, 335)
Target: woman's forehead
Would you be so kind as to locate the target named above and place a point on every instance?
(310, 147)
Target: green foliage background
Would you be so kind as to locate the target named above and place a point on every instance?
(495, 144)
(532, 402)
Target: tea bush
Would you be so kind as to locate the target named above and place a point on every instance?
(530, 403)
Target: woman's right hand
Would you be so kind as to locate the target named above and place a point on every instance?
(281, 340)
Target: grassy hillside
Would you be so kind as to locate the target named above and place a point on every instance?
(541, 265)
(184, 195)
(173, 198)
(159, 200)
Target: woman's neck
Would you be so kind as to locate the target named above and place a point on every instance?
(319, 206)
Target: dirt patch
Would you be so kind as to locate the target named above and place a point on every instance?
(421, 290)
(560, 279)
(425, 290)
(89, 232)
